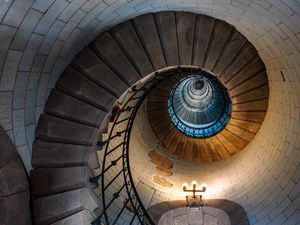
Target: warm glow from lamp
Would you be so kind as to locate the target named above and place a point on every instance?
(194, 183)
(184, 185)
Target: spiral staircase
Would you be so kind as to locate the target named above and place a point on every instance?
(65, 155)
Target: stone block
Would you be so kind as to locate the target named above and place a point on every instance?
(42, 5)
(6, 34)
(26, 28)
(98, 71)
(3, 9)
(10, 70)
(16, 12)
(112, 54)
(71, 10)
(56, 129)
(46, 181)
(70, 42)
(128, 39)
(15, 209)
(185, 30)
(45, 23)
(8, 151)
(146, 29)
(78, 85)
(6, 110)
(13, 178)
(47, 154)
(83, 217)
(30, 52)
(52, 208)
(51, 36)
(166, 25)
(19, 91)
(41, 96)
(203, 29)
(25, 155)
(64, 105)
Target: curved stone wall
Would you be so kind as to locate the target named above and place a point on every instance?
(14, 188)
(38, 40)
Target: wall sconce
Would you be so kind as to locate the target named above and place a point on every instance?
(195, 205)
(194, 189)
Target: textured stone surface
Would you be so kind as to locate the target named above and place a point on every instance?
(63, 105)
(59, 130)
(222, 212)
(13, 178)
(83, 217)
(93, 67)
(47, 154)
(55, 180)
(14, 191)
(272, 162)
(79, 86)
(17, 204)
(52, 208)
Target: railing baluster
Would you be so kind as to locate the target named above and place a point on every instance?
(132, 196)
(113, 163)
(115, 148)
(100, 144)
(113, 179)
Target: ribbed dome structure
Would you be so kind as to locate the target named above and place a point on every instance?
(199, 106)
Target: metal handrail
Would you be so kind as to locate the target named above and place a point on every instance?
(136, 206)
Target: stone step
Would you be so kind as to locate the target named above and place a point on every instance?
(203, 29)
(217, 43)
(166, 26)
(79, 86)
(146, 29)
(8, 151)
(13, 178)
(51, 154)
(64, 105)
(185, 32)
(93, 67)
(47, 210)
(108, 50)
(15, 209)
(84, 217)
(55, 129)
(47, 181)
(128, 39)
(232, 49)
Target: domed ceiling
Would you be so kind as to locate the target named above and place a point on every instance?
(224, 103)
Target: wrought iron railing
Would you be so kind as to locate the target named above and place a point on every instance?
(115, 160)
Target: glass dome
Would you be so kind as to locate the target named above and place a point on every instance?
(199, 106)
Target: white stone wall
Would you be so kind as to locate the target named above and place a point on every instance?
(39, 38)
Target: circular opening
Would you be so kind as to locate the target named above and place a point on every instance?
(199, 106)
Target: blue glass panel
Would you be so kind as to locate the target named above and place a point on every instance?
(214, 108)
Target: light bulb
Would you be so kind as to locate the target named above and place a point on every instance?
(184, 185)
(204, 186)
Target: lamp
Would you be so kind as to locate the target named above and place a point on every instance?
(194, 206)
(194, 188)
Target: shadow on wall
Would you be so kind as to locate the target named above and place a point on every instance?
(14, 189)
(235, 213)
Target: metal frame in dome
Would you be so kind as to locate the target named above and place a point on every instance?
(210, 130)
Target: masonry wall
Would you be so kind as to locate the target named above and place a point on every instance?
(39, 38)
